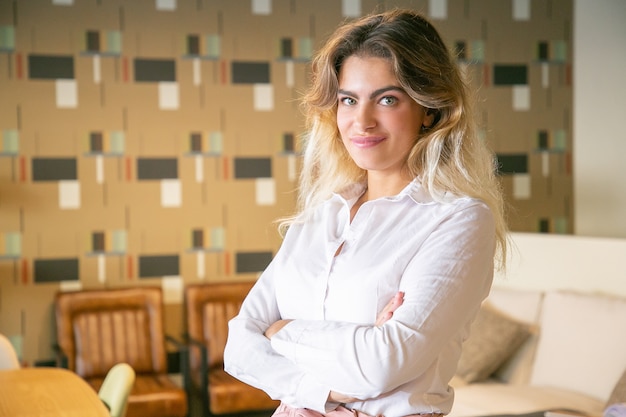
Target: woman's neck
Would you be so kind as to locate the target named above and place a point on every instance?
(379, 186)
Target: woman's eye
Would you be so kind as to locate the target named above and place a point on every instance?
(388, 101)
(348, 101)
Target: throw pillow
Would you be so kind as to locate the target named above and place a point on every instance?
(493, 338)
(619, 392)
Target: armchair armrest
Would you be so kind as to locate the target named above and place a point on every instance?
(183, 349)
(204, 362)
(61, 358)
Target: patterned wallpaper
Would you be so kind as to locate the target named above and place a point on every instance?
(154, 142)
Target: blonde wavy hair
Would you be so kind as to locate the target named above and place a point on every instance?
(449, 157)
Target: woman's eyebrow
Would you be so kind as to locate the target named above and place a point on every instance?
(375, 93)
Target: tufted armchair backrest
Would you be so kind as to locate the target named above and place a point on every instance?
(209, 307)
(97, 329)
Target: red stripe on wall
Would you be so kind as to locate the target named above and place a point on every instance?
(568, 163)
(227, 268)
(225, 168)
(223, 73)
(486, 74)
(24, 275)
(19, 66)
(125, 69)
(22, 168)
(128, 169)
(129, 267)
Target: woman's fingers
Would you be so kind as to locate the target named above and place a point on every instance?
(391, 306)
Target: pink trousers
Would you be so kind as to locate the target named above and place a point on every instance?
(284, 410)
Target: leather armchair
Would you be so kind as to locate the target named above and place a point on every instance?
(97, 329)
(209, 307)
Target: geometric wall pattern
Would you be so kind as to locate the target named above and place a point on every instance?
(155, 142)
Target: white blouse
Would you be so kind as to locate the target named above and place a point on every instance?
(439, 254)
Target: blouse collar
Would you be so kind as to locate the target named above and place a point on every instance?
(414, 190)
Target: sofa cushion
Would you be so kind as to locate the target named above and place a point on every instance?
(491, 399)
(619, 392)
(493, 337)
(525, 306)
(582, 343)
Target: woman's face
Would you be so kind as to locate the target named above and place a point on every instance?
(378, 121)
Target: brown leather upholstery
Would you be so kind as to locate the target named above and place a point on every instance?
(209, 307)
(97, 329)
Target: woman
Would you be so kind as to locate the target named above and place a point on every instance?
(398, 200)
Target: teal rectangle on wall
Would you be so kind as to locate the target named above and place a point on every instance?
(119, 239)
(114, 42)
(213, 46)
(117, 142)
(216, 144)
(7, 38)
(13, 244)
(10, 141)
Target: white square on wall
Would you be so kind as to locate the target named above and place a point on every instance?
(265, 191)
(69, 195)
(166, 4)
(66, 94)
(262, 7)
(438, 9)
(351, 8)
(263, 97)
(521, 97)
(521, 9)
(521, 186)
(171, 193)
(172, 287)
(168, 96)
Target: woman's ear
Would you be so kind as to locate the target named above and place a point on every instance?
(429, 118)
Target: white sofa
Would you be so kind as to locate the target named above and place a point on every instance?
(574, 354)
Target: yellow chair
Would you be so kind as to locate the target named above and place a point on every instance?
(116, 387)
(8, 356)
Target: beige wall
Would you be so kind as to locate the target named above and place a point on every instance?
(599, 110)
(117, 222)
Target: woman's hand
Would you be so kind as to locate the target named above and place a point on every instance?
(337, 397)
(387, 312)
(275, 327)
(382, 318)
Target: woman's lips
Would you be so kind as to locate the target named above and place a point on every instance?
(366, 141)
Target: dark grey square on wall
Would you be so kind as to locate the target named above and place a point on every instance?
(157, 168)
(56, 270)
(252, 261)
(510, 74)
(158, 266)
(50, 67)
(154, 70)
(513, 164)
(54, 169)
(250, 73)
(253, 168)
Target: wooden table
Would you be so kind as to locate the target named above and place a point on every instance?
(47, 392)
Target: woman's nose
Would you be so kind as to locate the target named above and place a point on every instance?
(364, 118)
